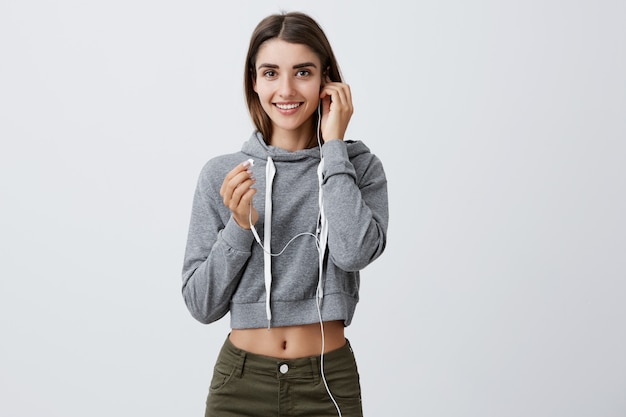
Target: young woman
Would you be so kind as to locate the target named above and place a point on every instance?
(280, 230)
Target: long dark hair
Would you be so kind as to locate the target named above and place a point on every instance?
(293, 27)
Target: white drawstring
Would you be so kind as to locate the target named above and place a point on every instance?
(270, 171)
(323, 231)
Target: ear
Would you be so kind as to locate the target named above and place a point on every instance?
(324, 79)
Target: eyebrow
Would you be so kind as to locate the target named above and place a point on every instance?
(297, 66)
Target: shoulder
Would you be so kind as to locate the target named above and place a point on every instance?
(360, 154)
(215, 169)
(368, 167)
(222, 164)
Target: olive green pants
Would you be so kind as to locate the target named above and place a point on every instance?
(245, 384)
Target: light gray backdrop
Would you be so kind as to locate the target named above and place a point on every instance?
(502, 127)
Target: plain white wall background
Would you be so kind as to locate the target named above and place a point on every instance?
(502, 127)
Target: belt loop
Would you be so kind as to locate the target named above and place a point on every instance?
(241, 363)
(315, 368)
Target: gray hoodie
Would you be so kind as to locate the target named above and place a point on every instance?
(223, 268)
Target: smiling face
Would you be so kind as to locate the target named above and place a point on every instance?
(288, 82)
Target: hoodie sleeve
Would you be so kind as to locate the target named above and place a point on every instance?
(215, 256)
(356, 205)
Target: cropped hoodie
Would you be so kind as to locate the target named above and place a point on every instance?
(226, 270)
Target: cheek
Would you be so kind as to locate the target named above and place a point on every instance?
(262, 91)
(264, 98)
(315, 89)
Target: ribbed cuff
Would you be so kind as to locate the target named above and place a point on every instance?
(237, 237)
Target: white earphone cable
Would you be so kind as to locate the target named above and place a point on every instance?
(320, 243)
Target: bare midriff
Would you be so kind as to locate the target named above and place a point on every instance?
(290, 342)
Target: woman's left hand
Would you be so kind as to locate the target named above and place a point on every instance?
(336, 110)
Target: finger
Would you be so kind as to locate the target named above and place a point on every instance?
(233, 200)
(348, 94)
(229, 187)
(325, 105)
(339, 93)
(246, 199)
(231, 176)
(246, 215)
(345, 99)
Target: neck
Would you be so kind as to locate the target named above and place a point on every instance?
(293, 140)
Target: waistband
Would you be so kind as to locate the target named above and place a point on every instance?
(307, 367)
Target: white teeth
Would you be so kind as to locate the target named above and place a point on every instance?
(287, 106)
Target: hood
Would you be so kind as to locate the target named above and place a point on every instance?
(256, 147)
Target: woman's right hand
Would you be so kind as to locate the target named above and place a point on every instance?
(237, 193)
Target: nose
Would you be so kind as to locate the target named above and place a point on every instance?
(286, 87)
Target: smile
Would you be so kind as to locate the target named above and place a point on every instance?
(287, 106)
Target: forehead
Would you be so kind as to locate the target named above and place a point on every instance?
(282, 53)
